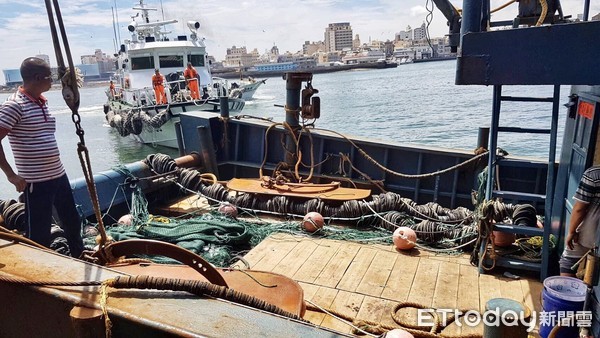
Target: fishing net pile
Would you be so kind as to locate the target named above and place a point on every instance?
(133, 121)
(13, 215)
(221, 240)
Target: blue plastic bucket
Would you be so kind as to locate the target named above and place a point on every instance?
(561, 294)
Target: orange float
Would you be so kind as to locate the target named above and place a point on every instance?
(313, 221)
(404, 238)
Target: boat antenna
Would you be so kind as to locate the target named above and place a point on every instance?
(118, 30)
(162, 10)
(114, 30)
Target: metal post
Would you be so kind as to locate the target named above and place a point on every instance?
(471, 17)
(483, 137)
(293, 86)
(224, 106)
(493, 142)
(179, 137)
(207, 152)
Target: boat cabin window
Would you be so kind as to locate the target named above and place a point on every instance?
(171, 61)
(143, 62)
(196, 60)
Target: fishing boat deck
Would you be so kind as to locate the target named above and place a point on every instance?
(366, 281)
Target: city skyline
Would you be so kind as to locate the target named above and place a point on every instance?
(254, 24)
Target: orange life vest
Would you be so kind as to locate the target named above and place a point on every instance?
(157, 80)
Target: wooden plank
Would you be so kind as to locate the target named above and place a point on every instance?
(446, 292)
(377, 274)
(317, 261)
(532, 294)
(274, 253)
(322, 297)
(357, 269)
(423, 286)
(372, 310)
(387, 319)
(297, 257)
(256, 254)
(489, 287)
(511, 289)
(468, 293)
(401, 278)
(309, 289)
(347, 304)
(333, 272)
(186, 206)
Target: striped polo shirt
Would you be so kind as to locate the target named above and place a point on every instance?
(589, 192)
(31, 131)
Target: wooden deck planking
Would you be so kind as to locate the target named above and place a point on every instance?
(347, 304)
(367, 281)
(423, 286)
(446, 291)
(318, 259)
(275, 254)
(297, 257)
(377, 274)
(401, 278)
(489, 288)
(322, 297)
(468, 293)
(357, 269)
(532, 294)
(333, 272)
(258, 252)
(372, 310)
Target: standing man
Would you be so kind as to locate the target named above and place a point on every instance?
(159, 87)
(583, 224)
(191, 78)
(25, 118)
(113, 91)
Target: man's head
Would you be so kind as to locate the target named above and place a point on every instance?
(156, 71)
(36, 73)
(189, 65)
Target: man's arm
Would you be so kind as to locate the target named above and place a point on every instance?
(13, 178)
(577, 215)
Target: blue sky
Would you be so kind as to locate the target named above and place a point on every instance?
(253, 23)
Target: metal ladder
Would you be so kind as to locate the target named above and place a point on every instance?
(547, 198)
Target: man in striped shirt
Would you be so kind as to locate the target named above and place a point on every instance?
(30, 128)
(583, 225)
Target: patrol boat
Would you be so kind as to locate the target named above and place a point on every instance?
(133, 110)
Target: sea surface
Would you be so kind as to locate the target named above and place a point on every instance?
(416, 104)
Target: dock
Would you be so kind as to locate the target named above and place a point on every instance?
(366, 281)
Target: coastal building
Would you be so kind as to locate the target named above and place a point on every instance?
(310, 48)
(327, 58)
(356, 42)
(106, 63)
(239, 57)
(404, 35)
(367, 56)
(338, 36)
(420, 33)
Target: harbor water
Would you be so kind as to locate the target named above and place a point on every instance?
(416, 104)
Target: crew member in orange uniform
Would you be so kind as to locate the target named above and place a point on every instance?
(113, 91)
(191, 77)
(159, 88)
